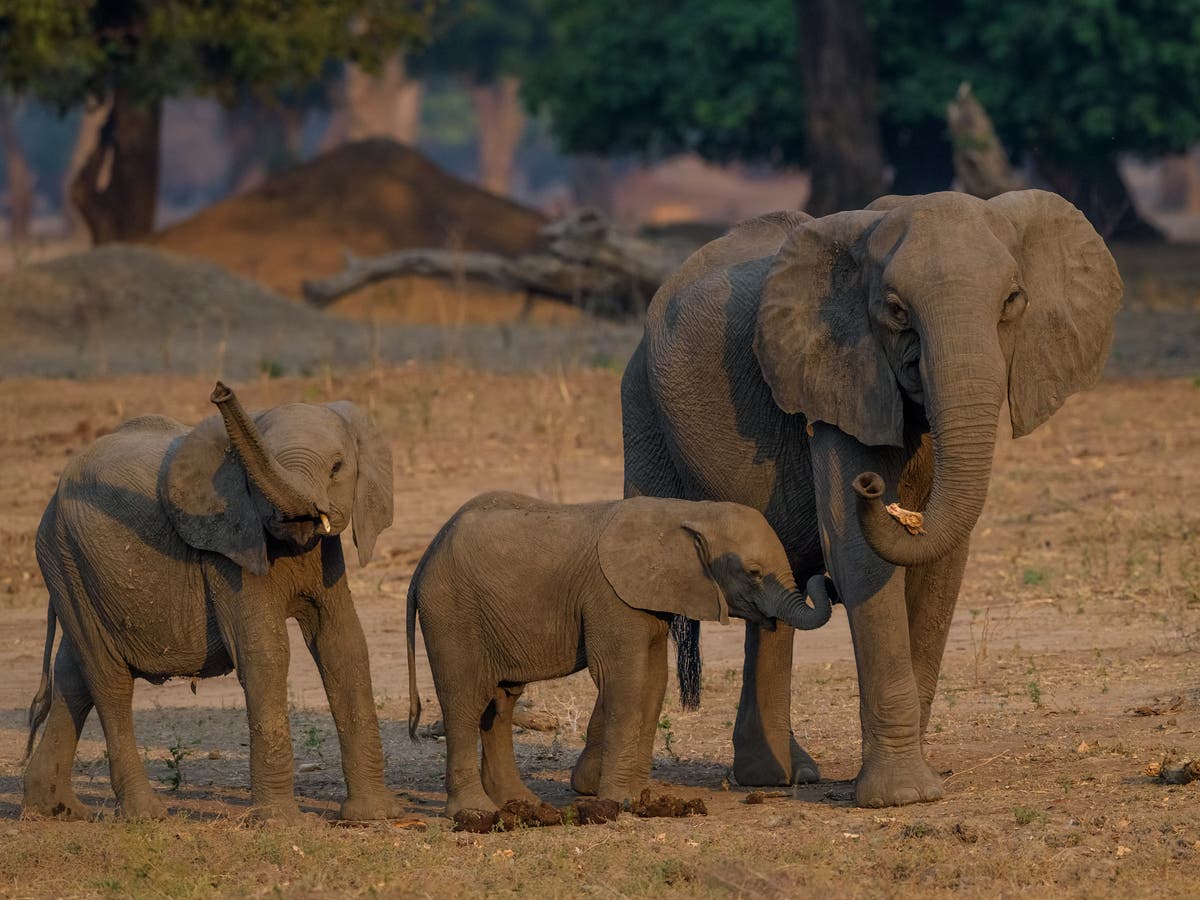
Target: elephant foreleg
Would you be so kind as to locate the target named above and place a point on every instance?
(260, 650)
(500, 775)
(48, 789)
(764, 750)
(652, 701)
(335, 639)
(930, 593)
(894, 771)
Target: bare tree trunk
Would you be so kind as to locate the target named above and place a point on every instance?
(123, 208)
(1095, 186)
(1179, 182)
(981, 165)
(86, 138)
(387, 104)
(20, 175)
(844, 146)
(501, 124)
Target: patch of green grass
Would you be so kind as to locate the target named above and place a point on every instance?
(1035, 694)
(270, 367)
(1025, 816)
(1034, 576)
(664, 725)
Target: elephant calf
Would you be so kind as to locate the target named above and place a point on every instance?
(514, 589)
(170, 551)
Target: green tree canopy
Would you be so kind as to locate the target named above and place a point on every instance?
(715, 76)
(137, 52)
(1070, 84)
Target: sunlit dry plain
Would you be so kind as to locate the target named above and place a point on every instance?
(1071, 666)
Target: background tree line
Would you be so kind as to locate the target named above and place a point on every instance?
(854, 89)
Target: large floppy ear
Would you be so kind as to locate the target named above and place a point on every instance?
(1072, 292)
(373, 490)
(206, 493)
(814, 341)
(655, 561)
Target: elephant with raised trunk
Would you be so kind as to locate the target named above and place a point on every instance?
(821, 370)
(175, 551)
(515, 589)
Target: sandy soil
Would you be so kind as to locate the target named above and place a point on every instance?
(1081, 605)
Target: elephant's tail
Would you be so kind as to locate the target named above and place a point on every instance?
(40, 707)
(410, 626)
(686, 633)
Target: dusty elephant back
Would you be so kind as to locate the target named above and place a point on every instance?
(104, 537)
(707, 392)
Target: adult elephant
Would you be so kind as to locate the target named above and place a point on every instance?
(821, 369)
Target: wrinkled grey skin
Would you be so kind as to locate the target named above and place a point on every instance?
(170, 551)
(819, 369)
(514, 590)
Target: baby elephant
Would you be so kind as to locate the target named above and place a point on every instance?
(514, 590)
(174, 551)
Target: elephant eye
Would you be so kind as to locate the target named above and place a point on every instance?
(897, 314)
(1014, 304)
(755, 572)
(337, 467)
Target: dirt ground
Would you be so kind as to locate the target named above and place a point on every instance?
(1081, 605)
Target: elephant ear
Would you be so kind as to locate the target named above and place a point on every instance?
(656, 561)
(813, 339)
(206, 493)
(373, 490)
(1072, 291)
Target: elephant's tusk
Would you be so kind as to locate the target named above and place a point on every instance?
(325, 523)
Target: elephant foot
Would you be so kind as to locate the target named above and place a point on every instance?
(280, 812)
(804, 767)
(142, 805)
(759, 767)
(473, 798)
(585, 777)
(508, 791)
(896, 781)
(380, 805)
(54, 804)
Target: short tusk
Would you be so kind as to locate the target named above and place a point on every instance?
(325, 523)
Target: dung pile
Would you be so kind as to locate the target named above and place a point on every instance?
(369, 197)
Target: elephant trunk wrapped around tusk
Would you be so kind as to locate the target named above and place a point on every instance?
(276, 483)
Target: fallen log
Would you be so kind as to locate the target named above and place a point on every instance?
(585, 263)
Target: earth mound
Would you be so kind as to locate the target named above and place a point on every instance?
(368, 197)
(135, 309)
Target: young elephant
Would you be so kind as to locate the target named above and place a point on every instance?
(514, 590)
(170, 551)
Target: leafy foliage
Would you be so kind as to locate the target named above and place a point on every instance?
(68, 50)
(482, 40)
(716, 76)
(1064, 81)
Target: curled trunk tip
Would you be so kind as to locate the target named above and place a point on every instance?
(220, 393)
(869, 486)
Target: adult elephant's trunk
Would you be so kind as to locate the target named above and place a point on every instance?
(964, 407)
(278, 485)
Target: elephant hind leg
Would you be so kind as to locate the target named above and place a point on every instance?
(111, 686)
(500, 775)
(462, 713)
(48, 789)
